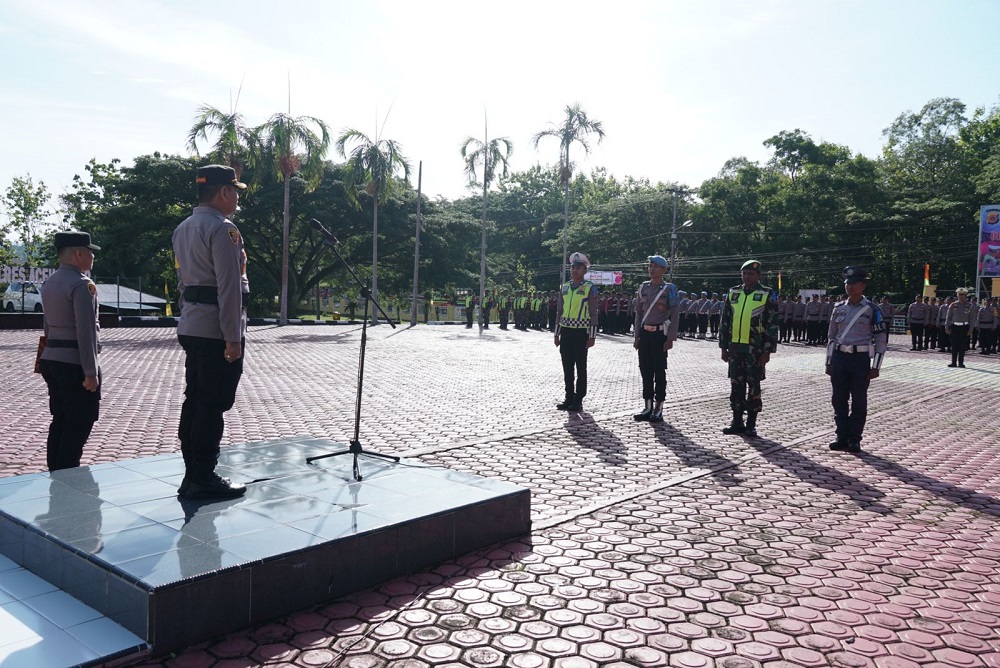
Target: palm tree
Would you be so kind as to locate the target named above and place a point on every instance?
(576, 127)
(374, 164)
(233, 139)
(292, 146)
(489, 154)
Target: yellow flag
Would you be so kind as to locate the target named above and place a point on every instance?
(166, 294)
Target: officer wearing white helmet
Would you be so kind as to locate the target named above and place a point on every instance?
(576, 330)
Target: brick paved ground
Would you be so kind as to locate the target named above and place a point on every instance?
(670, 545)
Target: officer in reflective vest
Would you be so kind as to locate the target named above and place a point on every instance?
(576, 330)
(748, 335)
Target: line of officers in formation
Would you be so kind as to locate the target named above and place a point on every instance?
(749, 321)
(954, 324)
(752, 321)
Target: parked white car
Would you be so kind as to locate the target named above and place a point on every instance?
(22, 296)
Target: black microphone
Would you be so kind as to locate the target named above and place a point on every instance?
(318, 226)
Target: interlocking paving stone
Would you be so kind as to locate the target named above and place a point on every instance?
(654, 545)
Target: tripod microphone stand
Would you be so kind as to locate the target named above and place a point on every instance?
(355, 448)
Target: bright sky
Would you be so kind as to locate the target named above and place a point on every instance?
(680, 85)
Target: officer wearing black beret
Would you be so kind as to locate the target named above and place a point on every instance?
(212, 279)
(857, 341)
(70, 362)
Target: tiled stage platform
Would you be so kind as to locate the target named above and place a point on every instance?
(175, 572)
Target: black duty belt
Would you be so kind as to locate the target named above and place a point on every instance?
(208, 294)
(62, 343)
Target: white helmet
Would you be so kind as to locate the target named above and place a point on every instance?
(579, 258)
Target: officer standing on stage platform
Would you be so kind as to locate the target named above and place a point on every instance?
(748, 335)
(656, 307)
(576, 330)
(212, 279)
(957, 327)
(69, 363)
(858, 338)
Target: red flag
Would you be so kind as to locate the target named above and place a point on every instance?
(927, 274)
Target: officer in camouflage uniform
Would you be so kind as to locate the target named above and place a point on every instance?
(212, 279)
(748, 335)
(858, 338)
(69, 363)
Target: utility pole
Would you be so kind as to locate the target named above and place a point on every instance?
(416, 249)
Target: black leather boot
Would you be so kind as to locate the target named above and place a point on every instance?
(567, 403)
(751, 428)
(644, 415)
(657, 415)
(736, 426)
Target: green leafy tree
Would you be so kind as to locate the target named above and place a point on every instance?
(234, 140)
(372, 164)
(576, 128)
(291, 145)
(488, 154)
(25, 204)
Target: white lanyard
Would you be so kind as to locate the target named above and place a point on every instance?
(652, 304)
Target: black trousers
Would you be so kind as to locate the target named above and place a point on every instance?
(703, 323)
(653, 365)
(959, 343)
(916, 336)
(74, 411)
(469, 310)
(504, 318)
(210, 392)
(849, 377)
(713, 321)
(573, 350)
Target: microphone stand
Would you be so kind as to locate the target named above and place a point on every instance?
(355, 448)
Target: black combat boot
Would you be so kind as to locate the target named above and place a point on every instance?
(567, 403)
(736, 426)
(751, 428)
(657, 415)
(644, 415)
(839, 444)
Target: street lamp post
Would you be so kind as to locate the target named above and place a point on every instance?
(673, 238)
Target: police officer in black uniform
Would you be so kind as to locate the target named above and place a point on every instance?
(212, 279)
(70, 362)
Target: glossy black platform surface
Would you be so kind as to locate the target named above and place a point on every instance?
(175, 572)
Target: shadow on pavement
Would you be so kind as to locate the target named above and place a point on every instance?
(693, 455)
(587, 433)
(962, 496)
(814, 473)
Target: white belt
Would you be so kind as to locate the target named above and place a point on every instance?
(853, 349)
(959, 324)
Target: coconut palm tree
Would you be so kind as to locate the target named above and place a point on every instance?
(292, 146)
(374, 164)
(233, 144)
(575, 128)
(490, 154)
